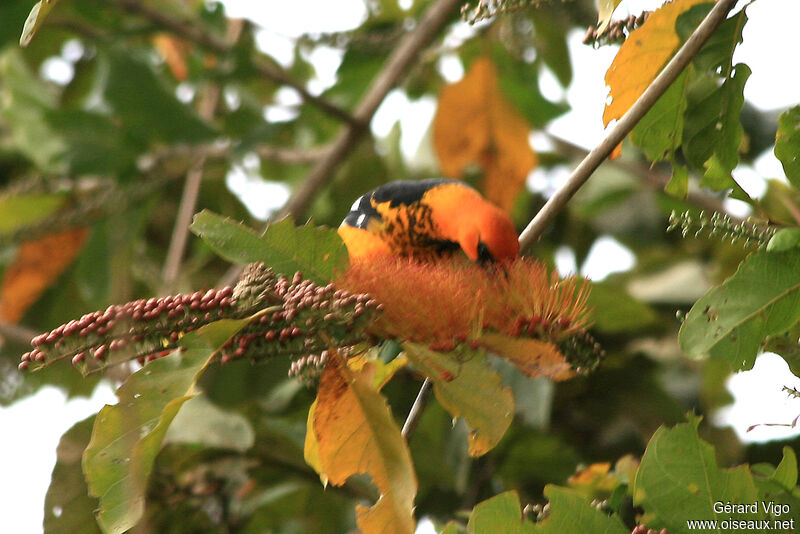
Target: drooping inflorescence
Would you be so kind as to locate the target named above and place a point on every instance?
(295, 317)
(721, 226)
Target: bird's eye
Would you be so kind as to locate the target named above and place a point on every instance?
(484, 255)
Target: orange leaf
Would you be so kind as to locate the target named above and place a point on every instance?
(173, 51)
(641, 57)
(37, 265)
(356, 433)
(476, 125)
(533, 357)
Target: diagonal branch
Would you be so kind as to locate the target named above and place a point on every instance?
(191, 192)
(190, 31)
(584, 170)
(393, 70)
(593, 160)
(194, 178)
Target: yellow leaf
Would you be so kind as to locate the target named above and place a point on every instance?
(467, 387)
(475, 125)
(311, 446)
(356, 433)
(605, 8)
(37, 265)
(381, 374)
(641, 57)
(533, 357)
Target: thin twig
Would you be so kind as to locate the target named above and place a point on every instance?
(653, 178)
(191, 191)
(415, 413)
(191, 188)
(191, 31)
(393, 70)
(14, 333)
(556, 203)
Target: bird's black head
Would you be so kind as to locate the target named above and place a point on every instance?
(484, 256)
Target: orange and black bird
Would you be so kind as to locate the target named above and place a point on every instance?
(428, 219)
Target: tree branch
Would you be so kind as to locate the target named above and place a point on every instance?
(191, 188)
(395, 67)
(191, 31)
(654, 179)
(21, 335)
(671, 71)
(191, 191)
(415, 413)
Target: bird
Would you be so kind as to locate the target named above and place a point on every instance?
(427, 220)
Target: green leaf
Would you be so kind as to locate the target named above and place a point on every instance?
(777, 486)
(467, 387)
(732, 320)
(148, 109)
(451, 528)
(94, 144)
(614, 310)
(716, 55)
(551, 43)
(501, 513)
(127, 436)
(784, 239)
(678, 479)
(21, 210)
(317, 252)
(786, 472)
(660, 131)
(35, 20)
(787, 144)
(713, 132)
(678, 185)
(68, 508)
(569, 512)
(24, 104)
(201, 422)
(520, 83)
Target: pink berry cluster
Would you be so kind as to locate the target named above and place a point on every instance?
(294, 316)
(310, 319)
(142, 328)
(616, 31)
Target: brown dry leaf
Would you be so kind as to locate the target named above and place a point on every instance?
(173, 50)
(533, 357)
(356, 433)
(37, 265)
(475, 125)
(641, 57)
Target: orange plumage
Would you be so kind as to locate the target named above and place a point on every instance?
(428, 219)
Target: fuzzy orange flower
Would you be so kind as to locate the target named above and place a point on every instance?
(452, 301)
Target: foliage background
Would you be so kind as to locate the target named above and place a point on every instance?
(63, 137)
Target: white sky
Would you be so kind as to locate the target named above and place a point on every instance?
(31, 428)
